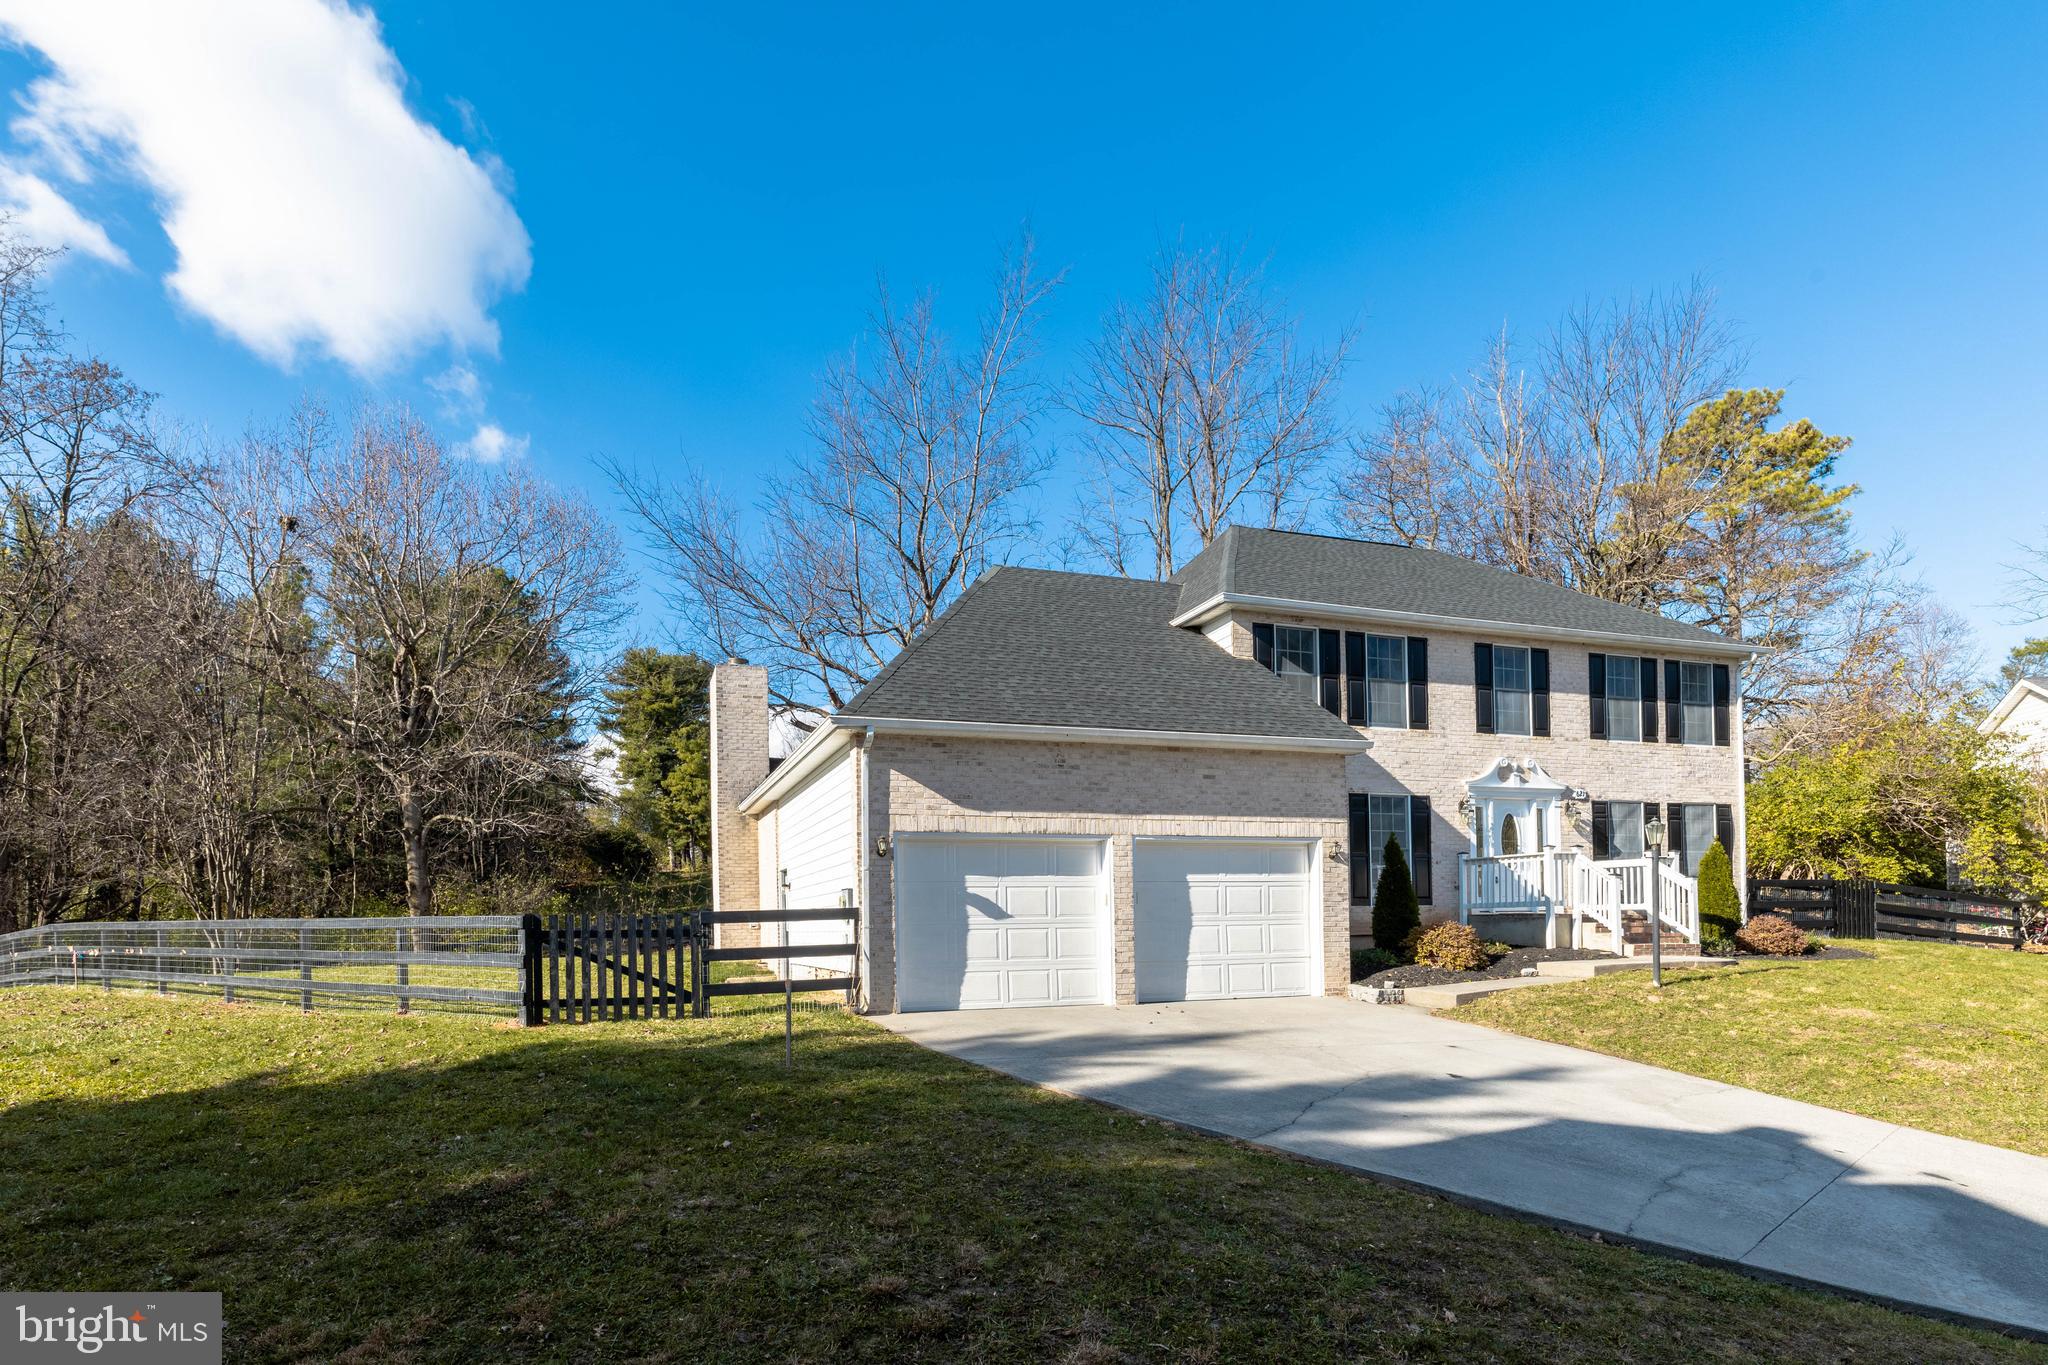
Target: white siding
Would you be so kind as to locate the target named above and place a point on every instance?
(816, 835)
(2027, 724)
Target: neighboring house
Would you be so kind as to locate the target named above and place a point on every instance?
(2022, 716)
(1084, 789)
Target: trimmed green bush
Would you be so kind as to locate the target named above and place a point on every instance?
(1395, 911)
(1720, 908)
(1367, 961)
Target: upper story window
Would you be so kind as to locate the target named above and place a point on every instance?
(1386, 670)
(1294, 658)
(1695, 701)
(1624, 700)
(1510, 690)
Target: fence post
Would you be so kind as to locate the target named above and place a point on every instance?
(163, 971)
(305, 968)
(404, 971)
(529, 947)
(106, 964)
(227, 962)
(700, 993)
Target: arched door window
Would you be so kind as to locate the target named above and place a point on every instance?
(1510, 835)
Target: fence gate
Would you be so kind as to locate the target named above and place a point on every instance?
(601, 966)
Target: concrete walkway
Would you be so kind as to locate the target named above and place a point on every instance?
(1567, 1135)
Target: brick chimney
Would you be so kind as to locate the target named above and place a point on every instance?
(739, 762)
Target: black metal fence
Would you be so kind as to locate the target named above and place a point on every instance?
(1853, 908)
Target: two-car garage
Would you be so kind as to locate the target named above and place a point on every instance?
(993, 922)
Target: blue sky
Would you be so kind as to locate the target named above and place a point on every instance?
(700, 204)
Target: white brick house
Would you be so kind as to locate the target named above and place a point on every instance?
(1080, 789)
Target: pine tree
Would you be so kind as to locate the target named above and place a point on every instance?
(1720, 909)
(1395, 912)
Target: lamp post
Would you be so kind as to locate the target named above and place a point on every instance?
(1653, 841)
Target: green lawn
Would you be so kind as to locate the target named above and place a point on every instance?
(1945, 1038)
(374, 1188)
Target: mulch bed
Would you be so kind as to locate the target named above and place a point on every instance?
(1831, 953)
(1508, 964)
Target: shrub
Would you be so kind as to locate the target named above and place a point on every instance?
(1720, 909)
(1451, 946)
(1395, 912)
(1495, 951)
(1714, 943)
(1367, 961)
(1772, 934)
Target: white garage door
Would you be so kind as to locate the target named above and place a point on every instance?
(982, 923)
(1221, 919)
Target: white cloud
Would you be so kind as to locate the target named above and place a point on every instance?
(47, 218)
(308, 205)
(492, 444)
(460, 390)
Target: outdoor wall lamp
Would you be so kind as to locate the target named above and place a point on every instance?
(1336, 850)
(881, 845)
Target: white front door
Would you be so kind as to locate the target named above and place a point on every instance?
(1222, 919)
(986, 923)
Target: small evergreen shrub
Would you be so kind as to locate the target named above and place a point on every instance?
(1495, 951)
(1772, 934)
(1395, 912)
(1714, 943)
(1368, 961)
(1451, 946)
(1720, 908)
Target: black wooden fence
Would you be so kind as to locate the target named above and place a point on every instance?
(1849, 908)
(601, 966)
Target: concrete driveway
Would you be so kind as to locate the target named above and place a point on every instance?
(1567, 1135)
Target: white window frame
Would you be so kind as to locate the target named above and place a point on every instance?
(1311, 682)
(1527, 691)
(1629, 704)
(1376, 837)
(1695, 718)
(1395, 715)
(1695, 850)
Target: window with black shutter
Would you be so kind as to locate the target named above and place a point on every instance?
(1354, 677)
(1603, 826)
(1674, 713)
(1361, 846)
(1724, 687)
(1724, 828)
(1332, 691)
(1539, 691)
(1482, 687)
(1418, 841)
(1649, 668)
(1262, 644)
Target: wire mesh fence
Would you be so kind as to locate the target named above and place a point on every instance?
(462, 962)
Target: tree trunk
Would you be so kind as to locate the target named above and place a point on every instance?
(419, 880)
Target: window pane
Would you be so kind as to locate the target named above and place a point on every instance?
(1624, 698)
(1625, 829)
(1699, 833)
(1294, 658)
(1510, 690)
(1696, 695)
(1385, 816)
(1386, 666)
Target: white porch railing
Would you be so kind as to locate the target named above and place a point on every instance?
(1603, 893)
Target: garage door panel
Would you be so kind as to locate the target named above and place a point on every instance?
(984, 923)
(1224, 918)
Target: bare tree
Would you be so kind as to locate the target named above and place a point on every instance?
(910, 491)
(422, 608)
(1203, 408)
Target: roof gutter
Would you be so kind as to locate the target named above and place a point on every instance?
(823, 743)
(1103, 734)
(1204, 612)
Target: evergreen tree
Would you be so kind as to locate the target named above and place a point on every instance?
(657, 709)
(1720, 910)
(1395, 911)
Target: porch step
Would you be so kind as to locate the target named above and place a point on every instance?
(1580, 970)
(1640, 947)
(1456, 993)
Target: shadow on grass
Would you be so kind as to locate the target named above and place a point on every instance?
(438, 1190)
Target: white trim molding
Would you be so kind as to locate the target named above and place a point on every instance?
(1103, 734)
(1204, 612)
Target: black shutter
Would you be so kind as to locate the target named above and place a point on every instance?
(1418, 846)
(1674, 714)
(1722, 688)
(1539, 691)
(1418, 683)
(1674, 831)
(1262, 644)
(1354, 675)
(1361, 859)
(1596, 693)
(1603, 824)
(1724, 828)
(1482, 686)
(1326, 661)
(1649, 691)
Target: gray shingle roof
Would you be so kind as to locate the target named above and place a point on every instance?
(1039, 647)
(1370, 575)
